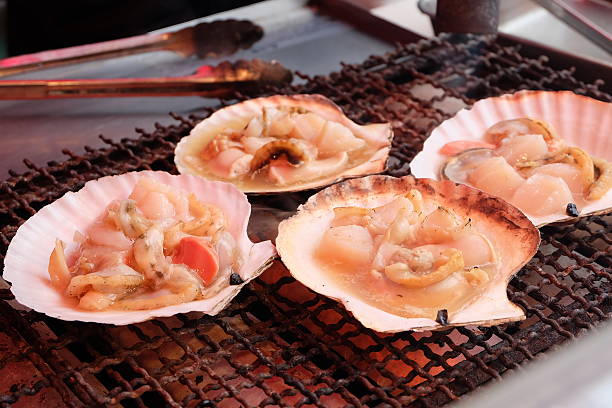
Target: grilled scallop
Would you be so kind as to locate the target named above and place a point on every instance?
(282, 144)
(548, 153)
(128, 248)
(410, 254)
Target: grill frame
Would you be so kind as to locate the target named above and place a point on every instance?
(279, 343)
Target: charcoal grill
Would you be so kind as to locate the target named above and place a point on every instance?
(278, 343)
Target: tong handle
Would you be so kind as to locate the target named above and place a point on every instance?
(96, 88)
(210, 81)
(83, 53)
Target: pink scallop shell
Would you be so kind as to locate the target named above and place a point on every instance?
(579, 120)
(377, 134)
(510, 232)
(27, 258)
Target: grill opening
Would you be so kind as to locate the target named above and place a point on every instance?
(278, 343)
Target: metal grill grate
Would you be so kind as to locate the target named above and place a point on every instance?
(279, 344)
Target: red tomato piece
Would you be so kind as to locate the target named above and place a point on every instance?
(198, 255)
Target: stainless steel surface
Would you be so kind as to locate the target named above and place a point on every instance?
(527, 19)
(294, 35)
(522, 18)
(577, 375)
(593, 18)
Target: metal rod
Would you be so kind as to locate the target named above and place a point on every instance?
(210, 81)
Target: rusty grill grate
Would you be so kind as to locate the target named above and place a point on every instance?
(279, 344)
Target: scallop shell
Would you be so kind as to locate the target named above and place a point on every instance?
(379, 134)
(579, 120)
(516, 241)
(25, 265)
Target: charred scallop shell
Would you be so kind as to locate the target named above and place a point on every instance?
(577, 120)
(279, 139)
(510, 233)
(27, 258)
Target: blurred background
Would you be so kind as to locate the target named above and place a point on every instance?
(28, 26)
(3, 52)
(581, 27)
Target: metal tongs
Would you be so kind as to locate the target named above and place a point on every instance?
(205, 39)
(222, 80)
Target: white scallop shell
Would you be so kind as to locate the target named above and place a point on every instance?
(27, 258)
(377, 134)
(579, 120)
(515, 239)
